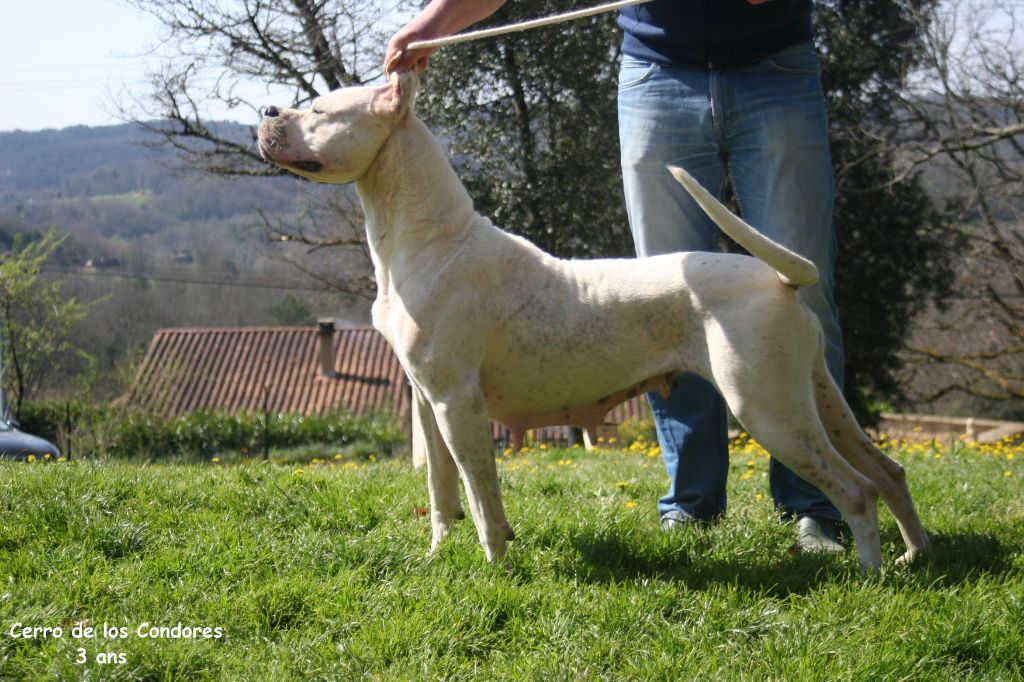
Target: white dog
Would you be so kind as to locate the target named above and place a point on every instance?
(489, 326)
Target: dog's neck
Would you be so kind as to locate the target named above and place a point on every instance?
(410, 194)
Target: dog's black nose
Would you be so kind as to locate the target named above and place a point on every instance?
(270, 112)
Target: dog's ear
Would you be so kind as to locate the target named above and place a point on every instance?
(397, 97)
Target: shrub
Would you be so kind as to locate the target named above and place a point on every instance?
(633, 430)
(120, 432)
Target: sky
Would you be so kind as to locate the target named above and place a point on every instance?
(66, 62)
(63, 61)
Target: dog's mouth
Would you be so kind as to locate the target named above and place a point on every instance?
(265, 153)
(270, 145)
(307, 166)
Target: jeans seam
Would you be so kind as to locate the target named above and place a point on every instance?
(735, 194)
(715, 100)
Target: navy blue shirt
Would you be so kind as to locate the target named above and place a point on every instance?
(713, 33)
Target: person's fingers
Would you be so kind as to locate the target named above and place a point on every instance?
(397, 56)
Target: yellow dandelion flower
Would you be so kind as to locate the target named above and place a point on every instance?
(298, 472)
(338, 456)
(372, 457)
(61, 459)
(1007, 474)
(620, 484)
(631, 505)
(747, 475)
(759, 497)
(31, 458)
(215, 460)
(47, 456)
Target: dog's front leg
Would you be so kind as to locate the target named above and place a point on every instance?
(442, 475)
(462, 420)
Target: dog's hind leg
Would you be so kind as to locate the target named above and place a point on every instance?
(807, 451)
(777, 408)
(442, 474)
(887, 474)
(463, 422)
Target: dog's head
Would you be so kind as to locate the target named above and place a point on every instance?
(337, 138)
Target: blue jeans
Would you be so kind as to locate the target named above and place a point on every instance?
(761, 126)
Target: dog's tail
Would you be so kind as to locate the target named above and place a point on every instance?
(794, 270)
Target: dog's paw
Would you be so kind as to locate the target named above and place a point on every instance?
(909, 557)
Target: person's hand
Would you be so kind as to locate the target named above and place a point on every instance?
(398, 58)
(438, 19)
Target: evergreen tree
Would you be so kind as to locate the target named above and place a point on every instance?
(531, 119)
(532, 122)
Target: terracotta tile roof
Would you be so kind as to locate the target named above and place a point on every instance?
(237, 369)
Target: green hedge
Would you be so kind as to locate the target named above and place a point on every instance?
(119, 432)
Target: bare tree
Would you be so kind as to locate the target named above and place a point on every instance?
(326, 242)
(303, 47)
(965, 114)
(299, 49)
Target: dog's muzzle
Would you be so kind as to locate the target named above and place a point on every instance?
(271, 133)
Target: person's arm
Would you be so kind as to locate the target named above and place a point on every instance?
(438, 19)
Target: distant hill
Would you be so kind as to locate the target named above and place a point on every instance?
(105, 181)
(59, 160)
(156, 244)
(68, 160)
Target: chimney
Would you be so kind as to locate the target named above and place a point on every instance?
(325, 337)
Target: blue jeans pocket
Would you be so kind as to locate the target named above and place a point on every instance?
(799, 60)
(633, 72)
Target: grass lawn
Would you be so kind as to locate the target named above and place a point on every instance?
(320, 572)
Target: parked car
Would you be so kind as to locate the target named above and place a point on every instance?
(15, 444)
